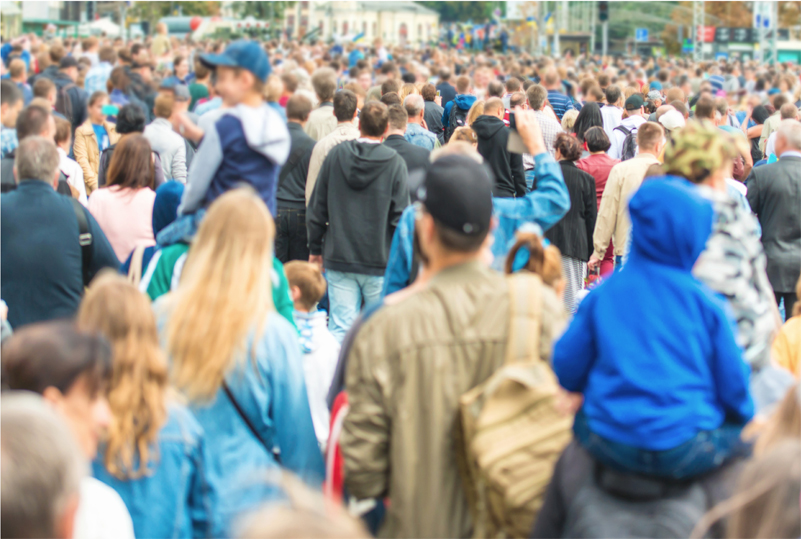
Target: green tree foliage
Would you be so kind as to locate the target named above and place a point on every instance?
(260, 10)
(153, 11)
(464, 11)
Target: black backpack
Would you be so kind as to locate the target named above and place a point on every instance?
(624, 505)
(64, 102)
(629, 143)
(457, 118)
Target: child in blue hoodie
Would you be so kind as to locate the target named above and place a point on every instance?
(249, 143)
(653, 350)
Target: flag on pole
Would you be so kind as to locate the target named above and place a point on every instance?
(358, 38)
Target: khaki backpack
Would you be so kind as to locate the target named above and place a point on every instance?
(512, 432)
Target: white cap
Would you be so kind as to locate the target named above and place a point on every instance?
(672, 119)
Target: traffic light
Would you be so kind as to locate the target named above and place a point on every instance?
(603, 11)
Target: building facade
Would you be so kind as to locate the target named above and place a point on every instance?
(403, 23)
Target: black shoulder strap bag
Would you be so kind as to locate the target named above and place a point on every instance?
(84, 239)
(270, 450)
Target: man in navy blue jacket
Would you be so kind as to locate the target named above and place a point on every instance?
(42, 269)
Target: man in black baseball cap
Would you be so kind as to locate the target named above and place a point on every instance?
(70, 100)
(456, 199)
(633, 117)
(431, 343)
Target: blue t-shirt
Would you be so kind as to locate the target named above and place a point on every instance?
(102, 136)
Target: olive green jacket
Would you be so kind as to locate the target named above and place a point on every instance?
(408, 367)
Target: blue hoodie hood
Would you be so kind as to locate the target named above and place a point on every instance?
(165, 208)
(670, 222)
(464, 101)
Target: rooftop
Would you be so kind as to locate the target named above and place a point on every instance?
(389, 5)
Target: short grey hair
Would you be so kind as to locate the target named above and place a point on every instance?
(791, 131)
(413, 104)
(36, 159)
(42, 466)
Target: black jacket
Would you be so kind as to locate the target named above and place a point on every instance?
(77, 96)
(291, 192)
(510, 176)
(356, 205)
(446, 91)
(774, 192)
(573, 233)
(414, 156)
(41, 256)
(433, 118)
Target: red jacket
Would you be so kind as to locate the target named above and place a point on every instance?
(598, 166)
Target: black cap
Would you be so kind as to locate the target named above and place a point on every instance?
(67, 61)
(634, 102)
(457, 192)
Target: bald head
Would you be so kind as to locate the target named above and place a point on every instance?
(551, 79)
(788, 137)
(788, 112)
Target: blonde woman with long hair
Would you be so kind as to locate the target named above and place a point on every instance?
(476, 110)
(234, 358)
(406, 90)
(154, 455)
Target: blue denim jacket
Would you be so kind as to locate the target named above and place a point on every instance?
(177, 499)
(419, 136)
(543, 206)
(268, 386)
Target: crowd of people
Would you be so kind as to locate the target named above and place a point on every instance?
(277, 289)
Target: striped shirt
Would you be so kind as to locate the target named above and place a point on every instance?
(560, 103)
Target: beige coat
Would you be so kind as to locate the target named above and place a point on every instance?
(771, 125)
(342, 132)
(613, 215)
(408, 366)
(321, 121)
(87, 152)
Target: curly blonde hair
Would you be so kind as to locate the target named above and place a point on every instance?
(137, 393)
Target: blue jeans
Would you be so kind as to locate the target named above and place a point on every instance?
(347, 293)
(704, 452)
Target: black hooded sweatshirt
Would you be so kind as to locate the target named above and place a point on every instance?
(356, 205)
(510, 176)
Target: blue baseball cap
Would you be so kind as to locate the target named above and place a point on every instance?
(244, 54)
(656, 85)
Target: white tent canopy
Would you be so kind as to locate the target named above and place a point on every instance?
(99, 26)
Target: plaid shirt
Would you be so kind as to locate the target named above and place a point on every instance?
(8, 141)
(96, 78)
(550, 128)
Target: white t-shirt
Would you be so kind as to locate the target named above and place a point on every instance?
(770, 145)
(611, 117)
(101, 513)
(74, 173)
(618, 137)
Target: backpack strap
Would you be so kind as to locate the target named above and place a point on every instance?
(623, 130)
(84, 239)
(524, 318)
